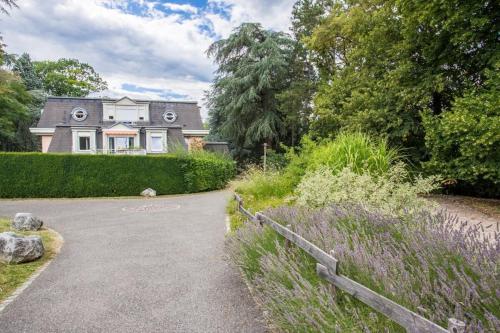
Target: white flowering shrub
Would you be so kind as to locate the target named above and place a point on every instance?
(392, 193)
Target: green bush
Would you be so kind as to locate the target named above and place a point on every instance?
(208, 171)
(30, 175)
(464, 142)
(393, 193)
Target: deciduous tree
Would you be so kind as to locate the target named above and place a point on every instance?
(69, 77)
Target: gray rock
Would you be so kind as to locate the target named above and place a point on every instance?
(26, 221)
(17, 249)
(149, 192)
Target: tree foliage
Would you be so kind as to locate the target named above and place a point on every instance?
(464, 141)
(388, 60)
(243, 105)
(24, 67)
(14, 101)
(69, 77)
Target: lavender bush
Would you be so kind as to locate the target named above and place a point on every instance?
(428, 263)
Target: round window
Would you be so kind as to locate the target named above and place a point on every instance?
(169, 116)
(79, 114)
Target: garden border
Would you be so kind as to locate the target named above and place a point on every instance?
(327, 269)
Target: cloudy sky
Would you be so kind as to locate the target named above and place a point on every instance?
(142, 48)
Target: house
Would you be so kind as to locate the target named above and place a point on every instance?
(113, 126)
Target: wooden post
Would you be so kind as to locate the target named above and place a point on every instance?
(456, 326)
(287, 241)
(331, 286)
(265, 157)
(258, 216)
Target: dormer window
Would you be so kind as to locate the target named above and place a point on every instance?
(169, 116)
(79, 114)
(126, 110)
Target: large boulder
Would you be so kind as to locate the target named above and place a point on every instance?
(17, 249)
(149, 192)
(26, 221)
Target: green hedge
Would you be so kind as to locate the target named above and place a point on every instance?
(36, 175)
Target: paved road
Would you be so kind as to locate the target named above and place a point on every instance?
(134, 265)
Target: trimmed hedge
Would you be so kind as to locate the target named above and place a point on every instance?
(37, 175)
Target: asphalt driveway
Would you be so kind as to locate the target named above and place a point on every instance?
(134, 265)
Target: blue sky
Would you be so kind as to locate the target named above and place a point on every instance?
(142, 48)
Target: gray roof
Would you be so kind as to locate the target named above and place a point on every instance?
(57, 112)
(61, 141)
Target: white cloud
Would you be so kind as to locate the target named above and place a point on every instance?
(271, 14)
(162, 52)
(180, 8)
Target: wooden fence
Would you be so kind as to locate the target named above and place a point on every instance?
(327, 269)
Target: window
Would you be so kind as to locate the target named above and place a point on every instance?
(84, 143)
(170, 116)
(120, 143)
(156, 143)
(79, 114)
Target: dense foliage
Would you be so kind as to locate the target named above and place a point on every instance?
(31, 175)
(14, 101)
(389, 60)
(464, 142)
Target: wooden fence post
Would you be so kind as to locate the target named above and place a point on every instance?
(287, 241)
(332, 288)
(456, 326)
(259, 218)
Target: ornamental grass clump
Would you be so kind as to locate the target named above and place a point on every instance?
(358, 151)
(424, 262)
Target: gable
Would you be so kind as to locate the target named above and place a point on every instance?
(125, 101)
(120, 127)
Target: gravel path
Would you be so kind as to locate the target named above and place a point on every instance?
(466, 210)
(134, 265)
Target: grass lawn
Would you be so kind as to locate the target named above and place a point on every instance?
(13, 275)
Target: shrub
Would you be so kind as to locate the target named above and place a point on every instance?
(464, 142)
(206, 171)
(27, 175)
(393, 192)
(426, 264)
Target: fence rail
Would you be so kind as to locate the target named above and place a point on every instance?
(327, 269)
